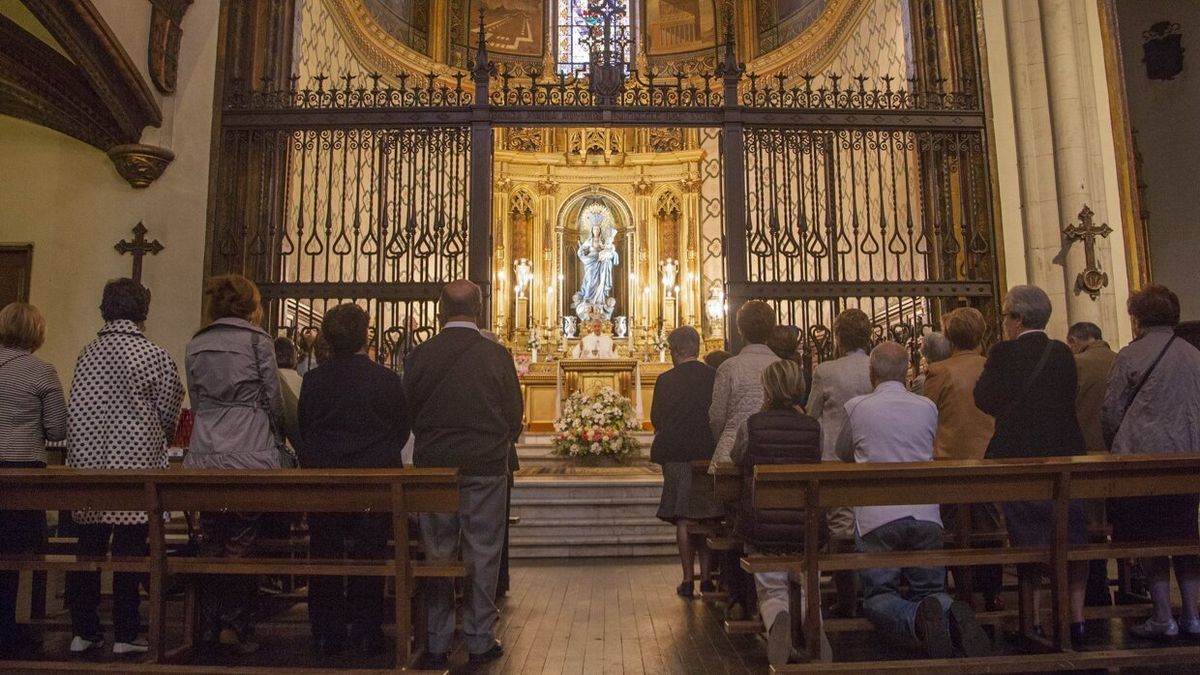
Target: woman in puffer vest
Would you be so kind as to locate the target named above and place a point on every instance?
(780, 434)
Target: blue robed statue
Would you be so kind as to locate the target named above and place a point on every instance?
(599, 257)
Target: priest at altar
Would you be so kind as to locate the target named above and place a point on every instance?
(595, 345)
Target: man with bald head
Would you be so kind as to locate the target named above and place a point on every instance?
(892, 424)
(466, 409)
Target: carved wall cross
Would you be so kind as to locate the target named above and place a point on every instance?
(1092, 278)
(138, 248)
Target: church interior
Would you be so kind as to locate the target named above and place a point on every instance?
(605, 171)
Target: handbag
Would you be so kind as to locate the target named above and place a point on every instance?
(287, 458)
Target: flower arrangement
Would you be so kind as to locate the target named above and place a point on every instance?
(596, 427)
(535, 341)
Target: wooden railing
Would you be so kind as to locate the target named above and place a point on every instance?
(399, 492)
(817, 487)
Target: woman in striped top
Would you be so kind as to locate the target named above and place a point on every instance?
(32, 411)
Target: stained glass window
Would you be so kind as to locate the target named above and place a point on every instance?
(574, 52)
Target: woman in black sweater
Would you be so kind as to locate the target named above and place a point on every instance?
(352, 415)
(679, 413)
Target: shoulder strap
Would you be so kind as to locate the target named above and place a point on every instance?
(1146, 376)
(455, 361)
(1033, 376)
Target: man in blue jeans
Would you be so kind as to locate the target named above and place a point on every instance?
(893, 425)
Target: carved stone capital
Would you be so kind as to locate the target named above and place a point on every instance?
(547, 186)
(690, 183)
(140, 164)
(642, 186)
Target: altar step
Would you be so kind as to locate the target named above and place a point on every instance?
(572, 516)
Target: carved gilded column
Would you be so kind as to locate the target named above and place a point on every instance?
(502, 263)
(647, 263)
(550, 246)
(690, 264)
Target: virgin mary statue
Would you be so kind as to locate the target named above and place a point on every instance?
(599, 256)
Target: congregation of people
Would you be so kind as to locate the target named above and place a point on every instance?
(1029, 396)
(259, 402)
(263, 402)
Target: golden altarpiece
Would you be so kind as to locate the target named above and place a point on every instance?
(595, 230)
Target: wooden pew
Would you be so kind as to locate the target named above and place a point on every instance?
(817, 487)
(395, 491)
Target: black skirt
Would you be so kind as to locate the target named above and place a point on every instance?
(1031, 524)
(1158, 518)
(679, 501)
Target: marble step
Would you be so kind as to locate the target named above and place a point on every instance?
(597, 527)
(585, 516)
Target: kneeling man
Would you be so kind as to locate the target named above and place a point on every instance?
(892, 425)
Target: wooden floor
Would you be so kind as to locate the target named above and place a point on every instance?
(597, 615)
(618, 616)
(600, 615)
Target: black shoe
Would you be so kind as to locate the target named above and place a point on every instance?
(932, 629)
(370, 644)
(496, 651)
(708, 587)
(965, 631)
(433, 661)
(685, 590)
(1078, 632)
(328, 644)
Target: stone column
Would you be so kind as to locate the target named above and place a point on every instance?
(1060, 24)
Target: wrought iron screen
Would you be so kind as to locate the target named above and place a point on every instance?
(836, 191)
(373, 215)
(892, 221)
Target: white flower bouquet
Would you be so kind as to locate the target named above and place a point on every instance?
(596, 427)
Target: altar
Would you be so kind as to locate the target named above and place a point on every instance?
(545, 385)
(589, 376)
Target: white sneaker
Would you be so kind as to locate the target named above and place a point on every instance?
(80, 644)
(1156, 630)
(138, 646)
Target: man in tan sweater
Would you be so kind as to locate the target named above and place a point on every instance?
(1093, 360)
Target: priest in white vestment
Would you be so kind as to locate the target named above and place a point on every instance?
(594, 345)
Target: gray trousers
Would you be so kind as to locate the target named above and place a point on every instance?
(478, 531)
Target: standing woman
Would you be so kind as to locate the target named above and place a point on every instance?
(122, 381)
(1153, 406)
(32, 411)
(233, 385)
(679, 413)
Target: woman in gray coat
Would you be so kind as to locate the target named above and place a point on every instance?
(1153, 406)
(233, 386)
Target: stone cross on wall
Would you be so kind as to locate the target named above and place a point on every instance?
(1092, 278)
(138, 248)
